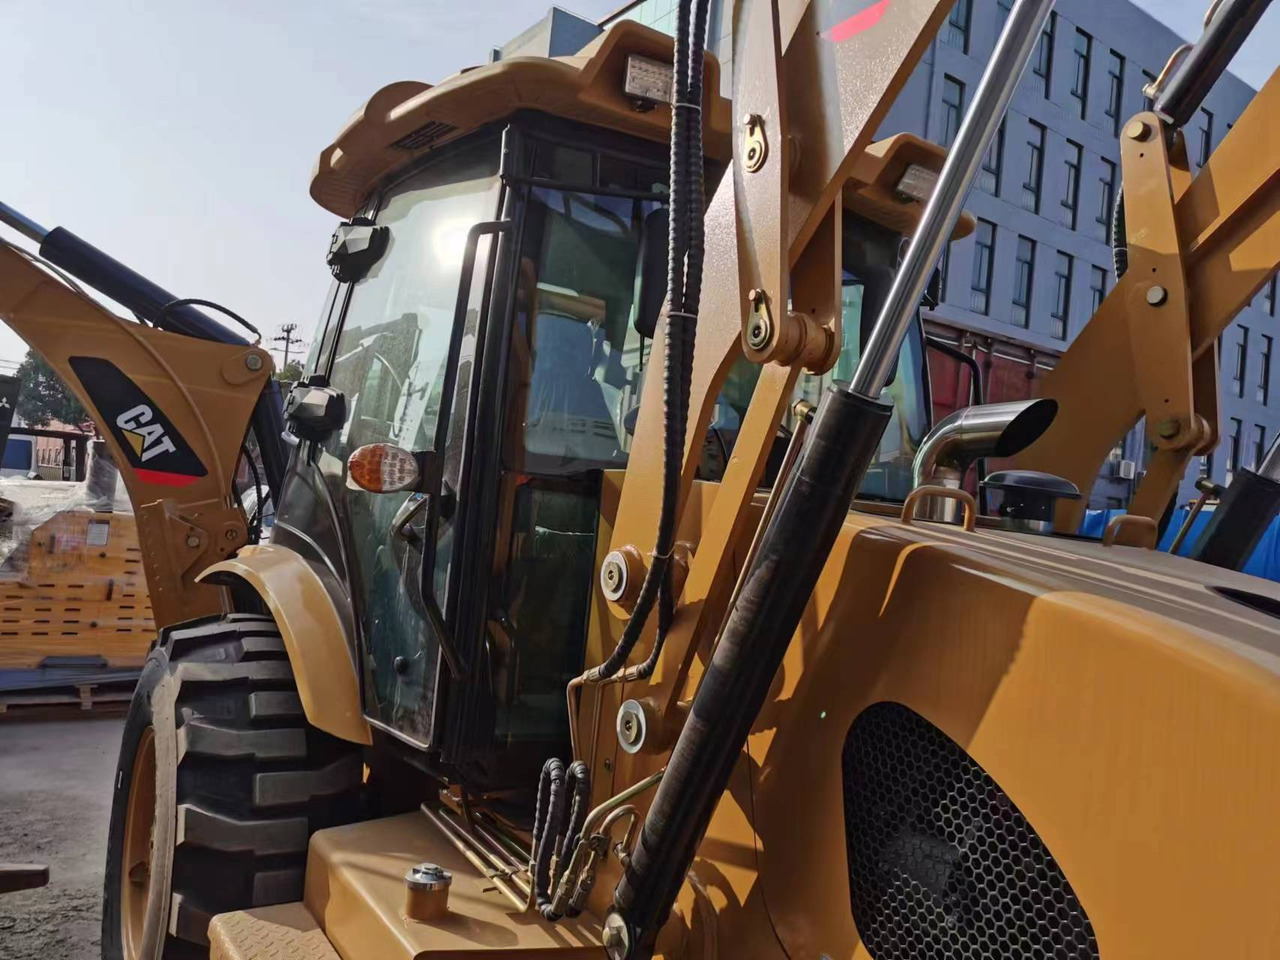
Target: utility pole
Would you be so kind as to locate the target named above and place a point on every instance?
(286, 337)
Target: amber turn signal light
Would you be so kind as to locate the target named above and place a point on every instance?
(382, 468)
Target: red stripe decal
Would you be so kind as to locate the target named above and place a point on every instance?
(164, 479)
(862, 20)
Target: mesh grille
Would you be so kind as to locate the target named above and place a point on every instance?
(941, 863)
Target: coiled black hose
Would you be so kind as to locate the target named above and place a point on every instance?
(685, 253)
(557, 825)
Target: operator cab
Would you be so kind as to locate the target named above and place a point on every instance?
(499, 334)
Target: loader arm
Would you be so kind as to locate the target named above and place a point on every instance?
(174, 411)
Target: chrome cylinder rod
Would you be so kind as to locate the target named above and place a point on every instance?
(23, 224)
(995, 89)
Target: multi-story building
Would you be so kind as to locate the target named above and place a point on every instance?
(1022, 286)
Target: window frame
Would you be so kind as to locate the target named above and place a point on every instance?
(1071, 196)
(1115, 89)
(959, 25)
(951, 111)
(1263, 392)
(1063, 272)
(1042, 63)
(1242, 362)
(1080, 79)
(1024, 281)
(984, 254)
(1035, 167)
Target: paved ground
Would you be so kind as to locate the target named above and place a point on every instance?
(55, 800)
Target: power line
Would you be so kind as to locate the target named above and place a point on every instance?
(286, 337)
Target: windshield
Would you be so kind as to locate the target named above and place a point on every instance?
(389, 363)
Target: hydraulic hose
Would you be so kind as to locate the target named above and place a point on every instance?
(684, 288)
(557, 824)
(792, 550)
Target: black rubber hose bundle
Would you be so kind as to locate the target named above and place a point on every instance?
(557, 824)
(684, 291)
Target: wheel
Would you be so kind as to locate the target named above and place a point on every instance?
(220, 784)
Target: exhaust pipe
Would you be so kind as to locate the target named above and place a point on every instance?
(972, 433)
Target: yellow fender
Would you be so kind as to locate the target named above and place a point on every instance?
(313, 635)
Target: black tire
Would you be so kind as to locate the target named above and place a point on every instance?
(242, 781)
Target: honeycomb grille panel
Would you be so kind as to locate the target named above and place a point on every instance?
(941, 863)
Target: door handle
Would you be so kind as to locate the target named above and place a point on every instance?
(412, 506)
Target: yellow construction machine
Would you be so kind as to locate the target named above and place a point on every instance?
(621, 597)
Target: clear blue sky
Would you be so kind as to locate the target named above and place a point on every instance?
(179, 135)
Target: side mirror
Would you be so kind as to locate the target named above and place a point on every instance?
(651, 274)
(355, 247)
(315, 410)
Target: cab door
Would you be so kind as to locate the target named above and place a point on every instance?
(391, 363)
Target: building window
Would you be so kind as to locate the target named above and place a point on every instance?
(989, 175)
(1233, 449)
(1106, 200)
(1206, 465)
(1259, 444)
(1042, 64)
(952, 108)
(1242, 361)
(1269, 297)
(1206, 135)
(1071, 195)
(1022, 278)
(1263, 394)
(1062, 296)
(1080, 80)
(984, 250)
(1148, 81)
(1035, 168)
(1115, 90)
(956, 33)
(1097, 288)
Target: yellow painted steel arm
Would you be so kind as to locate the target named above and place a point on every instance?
(1228, 235)
(181, 405)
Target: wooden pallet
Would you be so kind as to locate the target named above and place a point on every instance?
(75, 589)
(87, 695)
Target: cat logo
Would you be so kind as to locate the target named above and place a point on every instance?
(146, 437)
(152, 445)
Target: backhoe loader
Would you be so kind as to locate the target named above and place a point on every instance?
(621, 598)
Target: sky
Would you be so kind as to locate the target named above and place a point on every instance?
(179, 135)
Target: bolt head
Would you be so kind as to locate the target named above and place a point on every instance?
(1137, 130)
(613, 576)
(232, 534)
(750, 119)
(1157, 295)
(1168, 429)
(193, 541)
(758, 333)
(253, 361)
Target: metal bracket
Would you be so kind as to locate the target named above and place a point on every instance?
(1159, 318)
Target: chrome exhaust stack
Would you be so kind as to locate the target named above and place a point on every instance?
(972, 433)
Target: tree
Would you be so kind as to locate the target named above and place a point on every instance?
(44, 397)
(291, 372)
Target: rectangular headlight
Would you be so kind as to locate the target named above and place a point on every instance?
(917, 183)
(648, 80)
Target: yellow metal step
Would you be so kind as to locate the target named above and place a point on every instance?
(286, 931)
